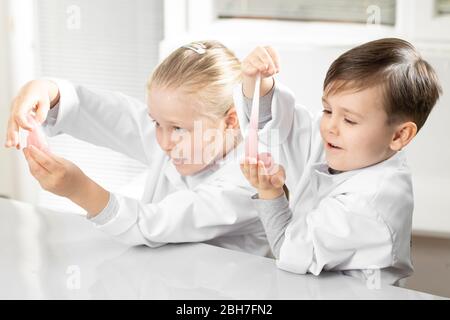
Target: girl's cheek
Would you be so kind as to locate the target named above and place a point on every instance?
(158, 136)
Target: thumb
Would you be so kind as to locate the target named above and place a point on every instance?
(276, 181)
(42, 109)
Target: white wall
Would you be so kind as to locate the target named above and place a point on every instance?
(6, 187)
(429, 158)
(18, 50)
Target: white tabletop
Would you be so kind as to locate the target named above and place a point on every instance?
(51, 255)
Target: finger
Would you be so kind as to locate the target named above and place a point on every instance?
(244, 170)
(267, 59)
(276, 182)
(20, 116)
(260, 65)
(263, 178)
(253, 170)
(278, 179)
(249, 69)
(266, 158)
(43, 159)
(36, 169)
(42, 109)
(12, 134)
(282, 173)
(275, 57)
(261, 168)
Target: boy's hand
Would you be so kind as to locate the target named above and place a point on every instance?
(63, 178)
(263, 60)
(38, 97)
(268, 181)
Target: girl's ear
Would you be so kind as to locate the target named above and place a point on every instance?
(231, 119)
(403, 134)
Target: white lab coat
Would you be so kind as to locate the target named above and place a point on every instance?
(212, 206)
(358, 222)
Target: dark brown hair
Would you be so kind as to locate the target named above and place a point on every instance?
(410, 85)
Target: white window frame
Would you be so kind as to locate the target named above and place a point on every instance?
(428, 26)
(186, 20)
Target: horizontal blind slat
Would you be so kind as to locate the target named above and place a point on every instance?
(115, 48)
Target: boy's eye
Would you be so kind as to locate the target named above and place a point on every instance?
(326, 111)
(156, 123)
(350, 122)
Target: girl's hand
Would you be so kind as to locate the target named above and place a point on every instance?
(65, 179)
(263, 60)
(54, 174)
(38, 97)
(268, 181)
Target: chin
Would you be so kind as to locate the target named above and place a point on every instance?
(347, 167)
(188, 170)
(184, 172)
(339, 166)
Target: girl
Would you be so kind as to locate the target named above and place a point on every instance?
(188, 135)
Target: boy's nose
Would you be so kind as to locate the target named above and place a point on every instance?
(333, 126)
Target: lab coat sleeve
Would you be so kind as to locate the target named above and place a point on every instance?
(107, 119)
(342, 233)
(275, 216)
(209, 211)
(300, 136)
(265, 108)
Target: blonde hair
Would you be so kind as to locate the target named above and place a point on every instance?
(206, 69)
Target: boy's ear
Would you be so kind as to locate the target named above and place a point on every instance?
(403, 134)
(231, 119)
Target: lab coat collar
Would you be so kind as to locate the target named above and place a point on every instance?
(323, 182)
(174, 176)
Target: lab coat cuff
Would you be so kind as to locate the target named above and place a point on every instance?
(60, 115)
(123, 215)
(108, 213)
(270, 207)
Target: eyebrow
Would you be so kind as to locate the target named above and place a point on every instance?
(176, 124)
(345, 109)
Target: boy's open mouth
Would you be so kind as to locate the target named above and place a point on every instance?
(332, 146)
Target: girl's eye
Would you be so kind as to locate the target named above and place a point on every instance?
(156, 123)
(178, 129)
(326, 111)
(350, 122)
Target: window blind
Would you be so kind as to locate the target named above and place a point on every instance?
(309, 10)
(443, 7)
(104, 44)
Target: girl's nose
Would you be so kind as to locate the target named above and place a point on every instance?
(166, 142)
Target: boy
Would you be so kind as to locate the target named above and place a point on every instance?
(351, 200)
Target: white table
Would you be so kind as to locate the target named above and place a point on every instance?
(51, 255)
